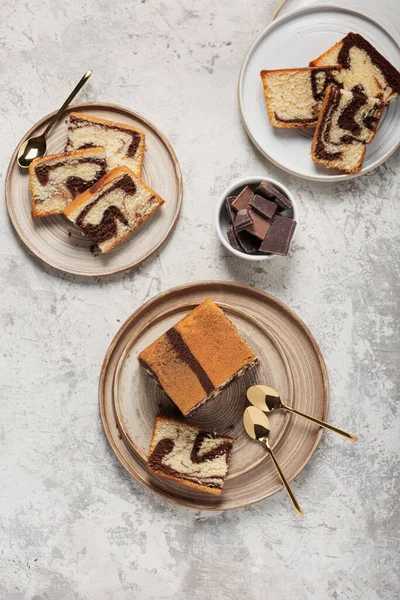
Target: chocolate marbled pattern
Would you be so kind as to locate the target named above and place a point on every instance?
(165, 446)
(106, 229)
(346, 120)
(76, 123)
(390, 73)
(185, 355)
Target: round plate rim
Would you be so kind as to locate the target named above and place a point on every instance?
(272, 25)
(119, 109)
(229, 285)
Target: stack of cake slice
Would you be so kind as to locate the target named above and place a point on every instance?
(342, 93)
(96, 181)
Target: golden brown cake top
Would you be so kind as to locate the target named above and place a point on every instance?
(196, 356)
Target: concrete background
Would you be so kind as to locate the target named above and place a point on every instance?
(73, 523)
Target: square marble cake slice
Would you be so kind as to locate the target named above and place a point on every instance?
(57, 179)
(124, 144)
(347, 123)
(364, 69)
(114, 207)
(198, 357)
(294, 96)
(189, 455)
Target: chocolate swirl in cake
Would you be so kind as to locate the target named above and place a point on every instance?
(223, 449)
(389, 72)
(42, 170)
(320, 78)
(107, 228)
(133, 146)
(186, 356)
(346, 121)
(165, 446)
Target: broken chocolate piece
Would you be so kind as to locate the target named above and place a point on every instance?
(265, 207)
(259, 226)
(228, 207)
(267, 190)
(232, 238)
(242, 201)
(279, 236)
(242, 220)
(249, 243)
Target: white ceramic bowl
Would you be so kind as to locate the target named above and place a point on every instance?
(221, 217)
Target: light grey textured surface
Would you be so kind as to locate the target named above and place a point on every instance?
(73, 523)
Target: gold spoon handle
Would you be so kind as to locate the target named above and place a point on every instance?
(285, 483)
(72, 95)
(345, 434)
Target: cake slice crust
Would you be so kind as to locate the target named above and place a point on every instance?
(124, 144)
(189, 455)
(113, 208)
(294, 96)
(57, 179)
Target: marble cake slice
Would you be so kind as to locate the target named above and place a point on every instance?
(198, 357)
(112, 208)
(56, 180)
(294, 96)
(347, 123)
(189, 455)
(364, 69)
(124, 144)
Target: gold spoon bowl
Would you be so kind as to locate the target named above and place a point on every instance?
(36, 147)
(267, 399)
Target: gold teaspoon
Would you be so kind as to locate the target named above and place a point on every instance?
(257, 426)
(267, 399)
(36, 147)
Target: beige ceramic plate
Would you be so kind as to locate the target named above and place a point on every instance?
(290, 362)
(58, 242)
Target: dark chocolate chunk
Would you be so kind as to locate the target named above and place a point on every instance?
(248, 242)
(242, 201)
(279, 236)
(265, 207)
(259, 226)
(242, 220)
(267, 190)
(232, 238)
(228, 207)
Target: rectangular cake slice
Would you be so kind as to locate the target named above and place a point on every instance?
(56, 180)
(124, 144)
(189, 455)
(364, 69)
(198, 357)
(347, 123)
(294, 96)
(114, 207)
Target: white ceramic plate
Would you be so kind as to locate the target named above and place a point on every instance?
(293, 40)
